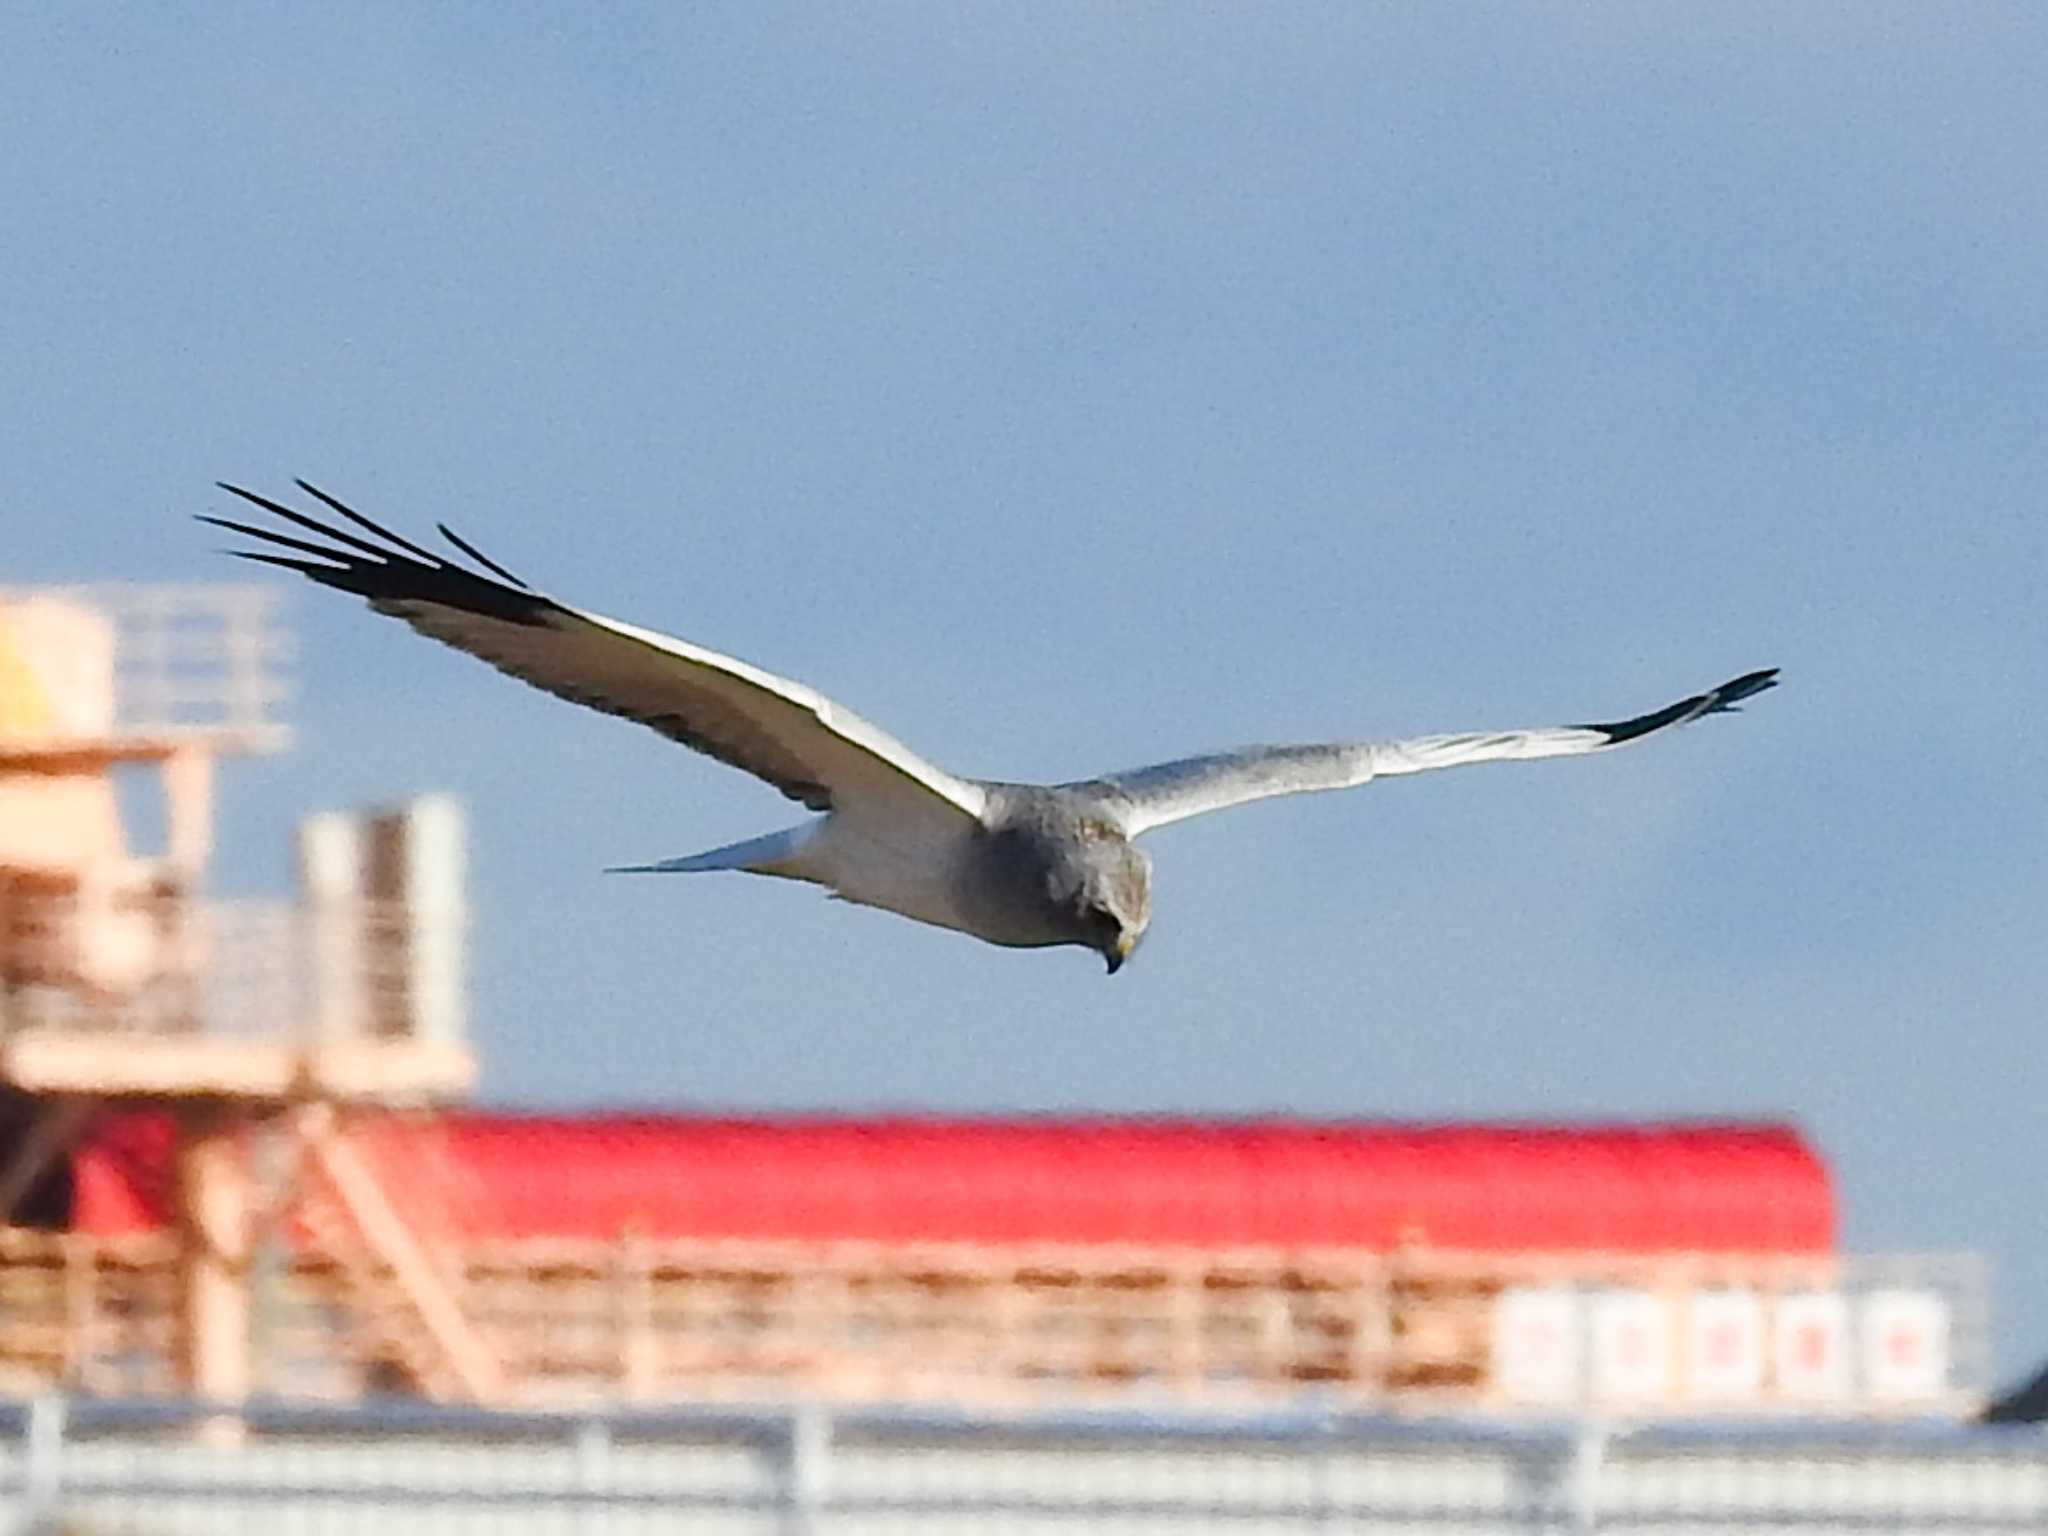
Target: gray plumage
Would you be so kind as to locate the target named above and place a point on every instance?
(1015, 864)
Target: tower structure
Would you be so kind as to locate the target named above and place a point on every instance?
(123, 985)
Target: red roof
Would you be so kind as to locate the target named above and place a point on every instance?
(1191, 1183)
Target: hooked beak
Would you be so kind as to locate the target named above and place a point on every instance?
(1120, 951)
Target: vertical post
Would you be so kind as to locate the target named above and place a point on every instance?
(1582, 1476)
(1323, 1452)
(593, 1474)
(272, 1156)
(430, 893)
(43, 1476)
(806, 1454)
(188, 811)
(1559, 1478)
(213, 1211)
(639, 1366)
(81, 1309)
(331, 878)
(188, 844)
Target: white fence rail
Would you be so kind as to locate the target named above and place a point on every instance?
(808, 1470)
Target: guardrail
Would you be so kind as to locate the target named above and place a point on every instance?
(555, 1322)
(812, 1469)
(136, 959)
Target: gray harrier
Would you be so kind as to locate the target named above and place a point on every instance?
(1016, 864)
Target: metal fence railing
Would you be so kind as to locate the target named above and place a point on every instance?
(128, 958)
(144, 1468)
(548, 1324)
(146, 660)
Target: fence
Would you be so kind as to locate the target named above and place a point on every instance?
(146, 661)
(102, 959)
(554, 1323)
(139, 1469)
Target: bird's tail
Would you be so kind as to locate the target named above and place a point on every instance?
(770, 854)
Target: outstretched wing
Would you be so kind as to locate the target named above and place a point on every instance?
(798, 740)
(1150, 797)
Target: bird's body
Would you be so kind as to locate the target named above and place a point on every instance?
(1021, 865)
(1059, 869)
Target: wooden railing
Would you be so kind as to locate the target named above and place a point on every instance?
(97, 1314)
(551, 1323)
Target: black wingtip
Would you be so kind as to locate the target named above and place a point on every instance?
(395, 570)
(272, 536)
(336, 505)
(254, 498)
(479, 556)
(1715, 701)
(1747, 686)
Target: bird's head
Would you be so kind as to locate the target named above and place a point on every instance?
(1112, 896)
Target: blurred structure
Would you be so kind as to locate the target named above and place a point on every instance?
(550, 1262)
(122, 985)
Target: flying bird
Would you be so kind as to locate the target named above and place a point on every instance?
(1025, 865)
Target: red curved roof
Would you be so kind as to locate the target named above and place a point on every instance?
(1191, 1183)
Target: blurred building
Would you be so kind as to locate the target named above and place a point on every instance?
(675, 1258)
(232, 1167)
(125, 986)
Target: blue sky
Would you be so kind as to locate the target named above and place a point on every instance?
(1069, 387)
